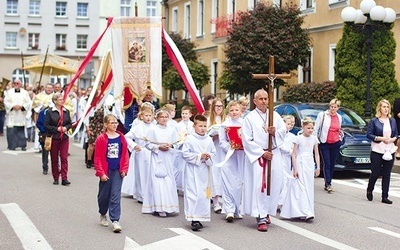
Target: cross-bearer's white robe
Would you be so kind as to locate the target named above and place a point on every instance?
(255, 142)
(197, 176)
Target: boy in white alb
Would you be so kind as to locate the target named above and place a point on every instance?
(184, 128)
(198, 152)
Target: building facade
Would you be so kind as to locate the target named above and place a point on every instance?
(205, 22)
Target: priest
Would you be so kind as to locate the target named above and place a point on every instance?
(255, 132)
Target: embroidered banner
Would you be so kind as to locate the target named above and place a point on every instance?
(136, 54)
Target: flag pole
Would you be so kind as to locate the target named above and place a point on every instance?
(44, 64)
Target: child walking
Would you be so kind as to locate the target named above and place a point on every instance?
(299, 202)
(198, 152)
(161, 195)
(111, 162)
(232, 171)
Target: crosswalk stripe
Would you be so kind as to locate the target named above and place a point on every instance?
(27, 233)
(381, 230)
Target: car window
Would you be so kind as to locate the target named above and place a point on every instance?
(350, 118)
(313, 113)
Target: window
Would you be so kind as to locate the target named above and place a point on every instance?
(332, 61)
(278, 3)
(231, 6)
(175, 19)
(151, 8)
(34, 7)
(200, 18)
(214, 76)
(214, 14)
(334, 4)
(63, 79)
(307, 6)
(61, 41)
(82, 9)
(61, 9)
(305, 71)
(19, 74)
(252, 3)
(12, 7)
(33, 40)
(11, 39)
(125, 7)
(81, 41)
(186, 21)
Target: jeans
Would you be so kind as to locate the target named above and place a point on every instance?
(380, 167)
(329, 153)
(109, 196)
(2, 119)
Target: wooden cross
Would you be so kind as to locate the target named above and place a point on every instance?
(271, 76)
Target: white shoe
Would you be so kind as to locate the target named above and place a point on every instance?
(229, 217)
(217, 209)
(103, 220)
(116, 227)
(238, 216)
(162, 214)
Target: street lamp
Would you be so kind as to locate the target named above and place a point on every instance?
(370, 16)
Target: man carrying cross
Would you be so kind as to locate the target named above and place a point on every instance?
(255, 131)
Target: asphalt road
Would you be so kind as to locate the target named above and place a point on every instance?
(35, 214)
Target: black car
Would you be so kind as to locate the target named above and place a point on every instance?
(354, 154)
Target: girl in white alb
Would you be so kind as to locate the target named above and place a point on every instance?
(299, 202)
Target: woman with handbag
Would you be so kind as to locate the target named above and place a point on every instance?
(382, 131)
(327, 127)
(57, 123)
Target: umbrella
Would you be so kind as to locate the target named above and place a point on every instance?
(55, 65)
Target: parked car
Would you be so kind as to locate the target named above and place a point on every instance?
(354, 154)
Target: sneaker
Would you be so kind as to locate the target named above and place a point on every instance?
(229, 217)
(238, 216)
(162, 214)
(309, 218)
(116, 227)
(217, 209)
(329, 189)
(262, 227)
(196, 225)
(45, 171)
(103, 220)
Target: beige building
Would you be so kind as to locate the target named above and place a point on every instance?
(204, 22)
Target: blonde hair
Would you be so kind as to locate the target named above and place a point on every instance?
(108, 118)
(307, 120)
(243, 100)
(56, 96)
(379, 106)
(288, 117)
(335, 101)
(169, 107)
(186, 107)
(161, 111)
(232, 103)
(145, 109)
(213, 115)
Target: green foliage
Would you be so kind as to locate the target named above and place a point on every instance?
(185, 47)
(258, 33)
(351, 67)
(173, 81)
(310, 92)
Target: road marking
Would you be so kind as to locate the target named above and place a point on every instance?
(311, 235)
(360, 186)
(18, 152)
(27, 233)
(384, 231)
(185, 240)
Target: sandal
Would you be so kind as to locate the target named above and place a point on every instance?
(397, 156)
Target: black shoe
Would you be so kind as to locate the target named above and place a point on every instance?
(89, 164)
(196, 225)
(386, 201)
(55, 182)
(45, 171)
(23, 149)
(369, 196)
(65, 182)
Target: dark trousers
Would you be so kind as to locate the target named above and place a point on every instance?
(109, 196)
(16, 137)
(59, 148)
(45, 157)
(329, 153)
(2, 119)
(380, 167)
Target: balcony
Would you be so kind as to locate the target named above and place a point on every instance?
(223, 25)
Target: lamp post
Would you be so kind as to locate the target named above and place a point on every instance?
(368, 18)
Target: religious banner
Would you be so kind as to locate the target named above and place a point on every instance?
(137, 54)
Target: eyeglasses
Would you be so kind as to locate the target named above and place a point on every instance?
(164, 117)
(113, 123)
(15, 83)
(219, 106)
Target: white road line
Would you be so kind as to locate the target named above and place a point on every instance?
(360, 186)
(27, 233)
(313, 236)
(381, 230)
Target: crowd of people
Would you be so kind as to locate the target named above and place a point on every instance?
(222, 157)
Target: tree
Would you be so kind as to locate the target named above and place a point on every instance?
(351, 61)
(256, 34)
(171, 79)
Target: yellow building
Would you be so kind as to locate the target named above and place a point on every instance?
(205, 23)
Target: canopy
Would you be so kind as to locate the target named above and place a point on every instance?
(55, 65)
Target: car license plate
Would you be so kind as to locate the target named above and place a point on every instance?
(362, 160)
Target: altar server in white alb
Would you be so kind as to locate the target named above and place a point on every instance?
(139, 163)
(233, 165)
(198, 151)
(161, 195)
(255, 131)
(299, 202)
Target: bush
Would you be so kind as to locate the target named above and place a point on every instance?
(310, 92)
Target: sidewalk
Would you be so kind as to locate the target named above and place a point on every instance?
(396, 166)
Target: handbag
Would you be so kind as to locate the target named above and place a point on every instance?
(47, 142)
